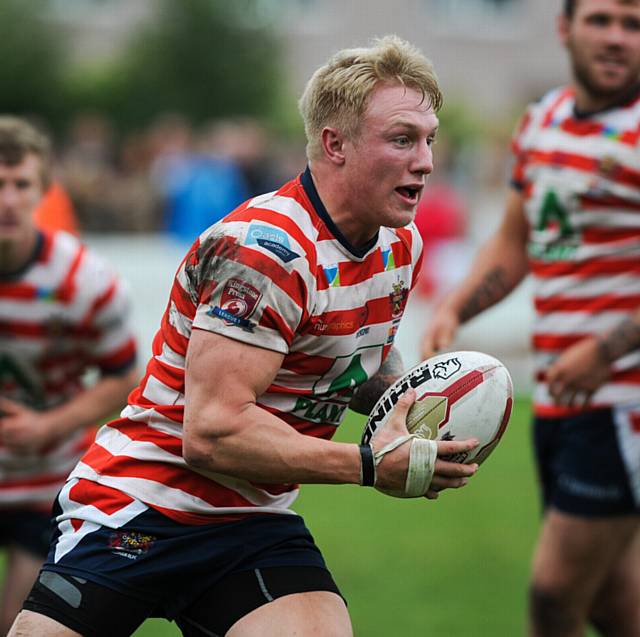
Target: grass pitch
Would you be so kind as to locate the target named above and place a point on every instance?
(457, 566)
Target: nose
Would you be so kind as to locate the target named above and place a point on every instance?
(616, 34)
(423, 160)
(8, 196)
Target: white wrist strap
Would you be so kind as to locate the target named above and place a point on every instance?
(422, 462)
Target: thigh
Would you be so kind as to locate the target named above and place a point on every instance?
(242, 594)
(319, 614)
(29, 624)
(82, 606)
(576, 555)
(616, 606)
(21, 571)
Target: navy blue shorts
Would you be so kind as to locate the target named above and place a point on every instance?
(155, 567)
(589, 464)
(28, 529)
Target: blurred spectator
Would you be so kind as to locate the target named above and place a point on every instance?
(197, 188)
(56, 212)
(87, 167)
(245, 141)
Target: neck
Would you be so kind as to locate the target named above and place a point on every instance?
(333, 194)
(587, 102)
(14, 254)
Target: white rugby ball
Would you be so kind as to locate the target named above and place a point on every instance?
(460, 395)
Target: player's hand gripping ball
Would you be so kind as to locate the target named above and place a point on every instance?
(459, 395)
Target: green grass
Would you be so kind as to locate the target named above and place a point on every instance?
(456, 567)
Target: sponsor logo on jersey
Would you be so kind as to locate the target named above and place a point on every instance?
(237, 303)
(398, 299)
(332, 272)
(391, 333)
(446, 369)
(339, 327)
(320, 411)
(130, 544)
(272, 239)
(388, 259)
(334, 328)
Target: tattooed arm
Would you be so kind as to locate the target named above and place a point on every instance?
(582, 368)
(623, 339)
(367, 394)
(497, 269)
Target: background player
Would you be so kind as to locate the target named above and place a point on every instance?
(573, 220)
(62, 311)
(276, 314)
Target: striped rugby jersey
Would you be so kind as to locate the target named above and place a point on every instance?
(276, 273)
(580, 178)
(64, 312)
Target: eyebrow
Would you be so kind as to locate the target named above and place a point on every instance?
(401, 123)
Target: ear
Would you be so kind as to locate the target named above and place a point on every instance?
(562, 26)
(333, 145)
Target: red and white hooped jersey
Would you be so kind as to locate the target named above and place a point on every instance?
(63, 313)
(580, 178)
(278, 274)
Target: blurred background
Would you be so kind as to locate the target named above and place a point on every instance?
(167, 113)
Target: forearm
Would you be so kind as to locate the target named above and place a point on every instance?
(497, 269)
(621, 340)
(254, 445)
(367, 394)
(95, 403)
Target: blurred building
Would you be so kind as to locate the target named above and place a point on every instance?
(495, 54)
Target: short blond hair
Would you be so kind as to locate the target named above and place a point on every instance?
(18, 138)
(338, 92)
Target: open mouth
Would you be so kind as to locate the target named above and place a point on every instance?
(410, 194)
(611, 63)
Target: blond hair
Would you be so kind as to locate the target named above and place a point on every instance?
(338, 92)
(18, 138)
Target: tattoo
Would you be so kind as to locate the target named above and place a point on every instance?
(620, 341)
(367, 394)
(492, 289)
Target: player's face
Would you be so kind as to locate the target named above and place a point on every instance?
(20, 193)
(603, 40)
(390, 158)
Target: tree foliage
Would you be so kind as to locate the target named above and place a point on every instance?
(31, 73)
(198, 58)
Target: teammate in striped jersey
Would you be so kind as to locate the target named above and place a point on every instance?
(573, 221)
(277, 314)
(61, 312)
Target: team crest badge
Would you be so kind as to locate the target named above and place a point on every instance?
(130, 544)
(398, 299)
(237, 303)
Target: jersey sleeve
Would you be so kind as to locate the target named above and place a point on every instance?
(252, 291)
(109, 317)
(518, 149)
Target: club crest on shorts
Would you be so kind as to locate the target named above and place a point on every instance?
(237, 303)
(130, 544)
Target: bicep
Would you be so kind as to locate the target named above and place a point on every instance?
(223, 377)
(514, 228)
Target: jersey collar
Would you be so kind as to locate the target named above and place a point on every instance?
(321, 211)
(33, 257)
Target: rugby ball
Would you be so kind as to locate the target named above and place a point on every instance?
(459, 395)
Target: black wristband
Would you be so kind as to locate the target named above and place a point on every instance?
(367, 466)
